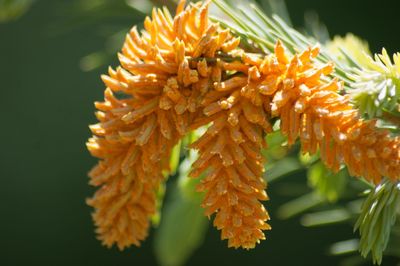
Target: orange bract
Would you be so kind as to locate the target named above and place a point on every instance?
(183, 73)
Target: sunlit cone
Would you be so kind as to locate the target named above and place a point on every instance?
(312, 109)
(231, 152)
(183, 73)
(150, 101)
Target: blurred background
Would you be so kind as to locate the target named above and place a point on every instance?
(52, 54)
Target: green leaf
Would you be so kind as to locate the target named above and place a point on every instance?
(276, 146)
(344, 247)
(378, 215)
(93, 61)
(328, 184)
(314, 27)
(173, 165)
(183, 224)
(306, 159)
(140, 5)
(281, 168)
(13, 9)
(276, 7)
(300, 205)
(155, 219)
(181, 231)
(174, 159)
(325, 217)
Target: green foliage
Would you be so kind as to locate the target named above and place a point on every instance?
(174, 159)
(276, 7)
(281, 168)
(13, 9)
(328, 184)
(350, 50)
(320, 218)
(183, 224)
(378, 215)
(315, 28)
(344, 247)
(182, 230)
(155, 219)
(377, 86)
(307, 159)
(277, 148)
(300, 205)
(279, 164)
(173, 165)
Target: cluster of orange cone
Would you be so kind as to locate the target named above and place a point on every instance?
(183, 73)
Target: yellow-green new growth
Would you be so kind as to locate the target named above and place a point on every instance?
(377, 86)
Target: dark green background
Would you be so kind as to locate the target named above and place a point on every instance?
(46, 103)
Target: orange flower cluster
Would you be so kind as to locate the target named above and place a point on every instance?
(311, 109)
(231, 150)
(150, 102)
(183, 73)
